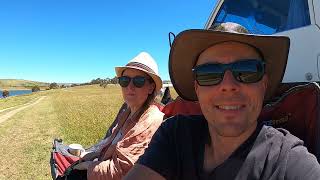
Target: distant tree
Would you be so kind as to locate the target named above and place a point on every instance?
(54, 86)
(35, 88)
(96, 81)
(114, 80)
(103, 84)
(84, 84)
(107, 80)
(62, 86)
(100, 81)
(5, 93)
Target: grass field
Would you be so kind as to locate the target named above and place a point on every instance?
(78, 114)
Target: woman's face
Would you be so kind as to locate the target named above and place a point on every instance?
(134, 96)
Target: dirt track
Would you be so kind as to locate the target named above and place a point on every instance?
(11, 113)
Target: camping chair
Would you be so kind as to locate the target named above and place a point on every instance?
(60, 159)
(298, 111)
(181, 106)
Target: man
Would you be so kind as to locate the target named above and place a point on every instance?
(230, 74)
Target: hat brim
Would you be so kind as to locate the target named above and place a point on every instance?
(157, 80)
(189, 44)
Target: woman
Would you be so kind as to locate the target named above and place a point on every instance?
(136, 122)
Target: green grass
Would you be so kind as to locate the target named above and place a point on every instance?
(85, 113)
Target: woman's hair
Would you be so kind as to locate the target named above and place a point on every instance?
(150, 99)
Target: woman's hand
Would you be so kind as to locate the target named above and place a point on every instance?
(82, 165)
(84, 153)
(88, 156)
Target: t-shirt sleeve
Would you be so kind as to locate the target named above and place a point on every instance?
(160, 156)
(302, 165)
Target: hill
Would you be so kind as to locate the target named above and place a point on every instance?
(20, 84)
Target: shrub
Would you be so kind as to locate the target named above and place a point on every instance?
(103, 84)
(114, 80)
(5, 93)
(54, 86)
(35, 88)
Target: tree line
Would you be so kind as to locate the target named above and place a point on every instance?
(102, 82)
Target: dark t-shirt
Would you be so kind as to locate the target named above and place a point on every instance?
(176, 150)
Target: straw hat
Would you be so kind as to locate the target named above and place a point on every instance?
(143, 62)
(189, 44)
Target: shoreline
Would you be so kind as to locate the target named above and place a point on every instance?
(14, 89)
(19, 88)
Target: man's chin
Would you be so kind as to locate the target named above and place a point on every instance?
(232, 130)
(229, 133)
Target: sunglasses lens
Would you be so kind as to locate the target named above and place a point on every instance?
(208, 74)
(250, 71)
(245, 71)
(139, 81)
(124, 81)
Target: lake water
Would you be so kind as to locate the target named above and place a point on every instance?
(16, 92)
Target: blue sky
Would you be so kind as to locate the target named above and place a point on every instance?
(75, 41)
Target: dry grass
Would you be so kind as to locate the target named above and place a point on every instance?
(173, 93)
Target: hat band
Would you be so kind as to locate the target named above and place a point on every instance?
(142, 66)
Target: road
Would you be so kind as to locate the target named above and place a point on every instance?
(11, 113)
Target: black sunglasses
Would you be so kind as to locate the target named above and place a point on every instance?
(244, 71)
(138, 81)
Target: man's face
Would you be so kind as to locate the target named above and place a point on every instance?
(230, 107)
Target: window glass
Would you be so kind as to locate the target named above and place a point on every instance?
(265, 16)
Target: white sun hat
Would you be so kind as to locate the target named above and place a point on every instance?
(143, 62)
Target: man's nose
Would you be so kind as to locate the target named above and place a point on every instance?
(229, 83)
